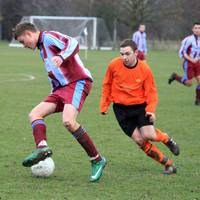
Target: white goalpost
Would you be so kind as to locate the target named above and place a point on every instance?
(91, 32)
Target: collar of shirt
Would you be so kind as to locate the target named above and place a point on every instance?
(39, 43)
(131, 67)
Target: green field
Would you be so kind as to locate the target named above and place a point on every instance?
(129, 175)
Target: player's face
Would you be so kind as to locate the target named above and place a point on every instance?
(142, 28)
(28, 40)
(196, 29)
(128, 56)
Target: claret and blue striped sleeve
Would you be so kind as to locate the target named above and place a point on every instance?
(52, 43)
(66, 44)
(190, 46)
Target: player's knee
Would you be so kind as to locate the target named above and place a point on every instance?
(69, 124)
(32, 116)
(138, 140)
(149, 136)
(188, 83)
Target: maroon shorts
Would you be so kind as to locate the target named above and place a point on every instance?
(191, 70)
(141, 55)
(74, 93)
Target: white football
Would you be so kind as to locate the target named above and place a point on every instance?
(44, 168)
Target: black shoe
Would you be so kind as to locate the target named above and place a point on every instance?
(170, 169)
(173, 147)
(197, 102)
(172, 78)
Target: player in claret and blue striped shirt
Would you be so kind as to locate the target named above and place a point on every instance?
(190, 52)
(71, 83)
(140, 38)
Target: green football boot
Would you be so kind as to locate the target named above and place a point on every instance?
(97, 169)
(36, 156)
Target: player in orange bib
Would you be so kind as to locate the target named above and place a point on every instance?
(129, 85)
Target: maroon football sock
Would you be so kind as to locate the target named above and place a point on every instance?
(39, 131)
(179, 79)
(198, 93)
(85, 141)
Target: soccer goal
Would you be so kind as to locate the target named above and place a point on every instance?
(91, 32)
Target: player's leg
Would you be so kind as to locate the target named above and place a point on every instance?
(147, 133)
(151, 150)
(36, 118)
(141, 55)
(79, 133)
(197, 100)
(186, 79)
(156, 135)
(73, 103)
(128, 118)
(160, 136)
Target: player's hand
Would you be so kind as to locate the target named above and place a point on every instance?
(194, 60)
(104, 113)
(152, 116)
(57, 61)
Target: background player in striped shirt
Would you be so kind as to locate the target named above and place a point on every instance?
(129, 85)
(190, 52)
(140, 38)
(71, 83)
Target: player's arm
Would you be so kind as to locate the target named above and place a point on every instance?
(71, 47)
(106, 92)
(192, 60)
(68, 47)
(136, 38)
(145, 44)
(151, 94)
(180, 52)
(185, 46)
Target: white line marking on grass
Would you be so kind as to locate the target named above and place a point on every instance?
(28, 77)
(16, 77)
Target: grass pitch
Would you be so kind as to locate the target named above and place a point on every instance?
(129, 175)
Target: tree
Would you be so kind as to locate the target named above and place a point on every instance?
(165, 19)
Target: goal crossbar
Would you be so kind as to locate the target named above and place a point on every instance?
(91, 32)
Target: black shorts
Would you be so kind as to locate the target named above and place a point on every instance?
(131, 117)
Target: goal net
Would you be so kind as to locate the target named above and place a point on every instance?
(91, 32)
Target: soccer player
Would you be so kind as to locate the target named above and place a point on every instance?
(71, 83)
(129, 85)
(140, 38)
(190, 52)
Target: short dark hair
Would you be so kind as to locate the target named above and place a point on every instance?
(22, 27)
(196, 23)
(128, 43)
